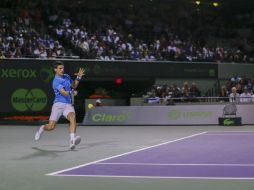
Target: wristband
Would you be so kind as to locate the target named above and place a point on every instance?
(78, 78)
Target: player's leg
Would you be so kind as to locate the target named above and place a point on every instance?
(56, 112)
(72, 119)
(47, 127)
(69, 113)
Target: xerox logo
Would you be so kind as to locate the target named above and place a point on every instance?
(46, 74)
(18, 73)
(29, 100)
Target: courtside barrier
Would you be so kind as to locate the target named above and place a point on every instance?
(164, 115)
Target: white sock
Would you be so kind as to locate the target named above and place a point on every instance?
(41, 129)
(72, 136)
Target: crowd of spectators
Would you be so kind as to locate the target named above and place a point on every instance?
(19, 36)
(154, 35)
(108, 43)
(168, 94)
(238, 89)
(149, 34)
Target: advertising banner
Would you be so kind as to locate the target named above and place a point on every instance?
(164, 115)
(26, 86)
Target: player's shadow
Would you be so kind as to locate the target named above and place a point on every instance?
(56, 152)
(82, 146)
(48, 152)
(39, 152)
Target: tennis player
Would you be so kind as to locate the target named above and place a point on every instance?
(62, 86)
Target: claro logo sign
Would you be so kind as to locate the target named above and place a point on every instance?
(103, 117)
(29, 100)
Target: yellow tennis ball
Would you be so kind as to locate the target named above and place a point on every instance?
(90, 106)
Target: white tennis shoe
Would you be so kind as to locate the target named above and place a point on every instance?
(75, 142)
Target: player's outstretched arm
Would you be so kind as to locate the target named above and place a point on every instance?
(79, 75)
(67, 93)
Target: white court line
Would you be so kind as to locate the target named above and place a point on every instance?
(226, 134)
(152, 164)
(160, 177)
(230, 133)
(79, 166)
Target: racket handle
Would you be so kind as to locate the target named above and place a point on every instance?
(72, 97)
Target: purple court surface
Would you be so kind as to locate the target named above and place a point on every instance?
(207, 155)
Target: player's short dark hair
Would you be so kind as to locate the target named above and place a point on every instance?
(57, 63)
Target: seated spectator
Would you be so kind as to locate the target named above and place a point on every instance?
(234, 96)
(245, 96)
(185, 90)
(239, 89)
(223, 94)
(98, 102)
(194, 91)
(252, 98)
